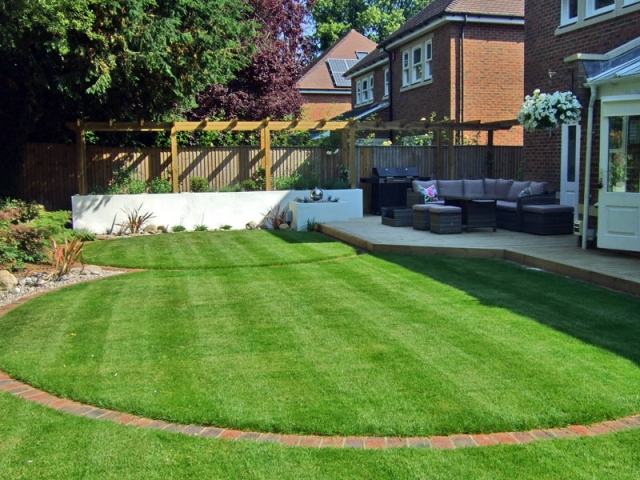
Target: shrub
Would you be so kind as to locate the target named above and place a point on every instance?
(124, 182)
(160, 185)
(199, 184)
(20, 240)
(178, 228)
(200, 228)
(135, 220)
(65, 255)
(231, 188)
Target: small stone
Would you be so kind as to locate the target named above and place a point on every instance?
(283, 226)
(251, 225)
(91, 270)
(162, 228)
(150, 229)
(7, 280)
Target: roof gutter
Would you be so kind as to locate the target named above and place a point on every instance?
(439, 21)
(360, 71)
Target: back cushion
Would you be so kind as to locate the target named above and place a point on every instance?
(424, 184)
(502, 188)
(538, 188)
(452, 188)
(515, 189)
(490, 185)
(473, 188)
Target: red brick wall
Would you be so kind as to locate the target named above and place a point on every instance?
(544, 52)
(327, 106)
(493, 78)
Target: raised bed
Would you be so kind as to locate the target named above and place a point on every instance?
(318, 212)
(101, 213)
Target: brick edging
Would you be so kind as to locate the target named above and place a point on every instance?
(438, 442)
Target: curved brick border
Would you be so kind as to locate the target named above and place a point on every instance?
(22, 390)
(27, 392)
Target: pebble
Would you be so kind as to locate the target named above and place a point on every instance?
(41, 281)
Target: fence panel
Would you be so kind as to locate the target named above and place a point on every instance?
(49, 171)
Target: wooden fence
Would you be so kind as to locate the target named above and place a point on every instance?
(49, 171)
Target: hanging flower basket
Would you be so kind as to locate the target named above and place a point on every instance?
(546, 111)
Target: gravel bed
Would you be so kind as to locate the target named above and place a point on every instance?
(40, 281)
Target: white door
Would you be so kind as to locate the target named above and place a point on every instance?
(570, 167)
(619, 197)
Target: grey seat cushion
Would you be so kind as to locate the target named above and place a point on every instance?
(538, 188)
(490, 185)
(504, 205)
(502, 188)
(516, 188)
(473, 188)
(451, 188)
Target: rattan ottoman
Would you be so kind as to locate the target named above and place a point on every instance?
(547, 219)
(445, 219)
(421, 216)
(397, 216)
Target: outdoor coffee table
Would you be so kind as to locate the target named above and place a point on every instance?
(478, 212)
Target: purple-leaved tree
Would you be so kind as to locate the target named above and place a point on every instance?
(267, 87)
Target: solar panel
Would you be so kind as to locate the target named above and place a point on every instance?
(337, 67)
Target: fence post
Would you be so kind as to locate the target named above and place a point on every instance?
(81, 157)
(174, 157)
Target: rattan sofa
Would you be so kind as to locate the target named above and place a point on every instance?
(510, 196)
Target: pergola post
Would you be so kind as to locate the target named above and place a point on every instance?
(265, 146)
(81, 157)
(490, 158)
(439, 159)
(174, 157)
(353, 175)
(452, 154)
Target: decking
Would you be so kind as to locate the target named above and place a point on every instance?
(556, 253)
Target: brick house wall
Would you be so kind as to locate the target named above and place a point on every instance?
(493, 78)
(545, 52)
(324, 106)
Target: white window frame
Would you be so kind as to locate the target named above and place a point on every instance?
(588, 14)
(406, 69)
(364, 90)
(417, 67)
(427, 71)
(385, 75)
(592, 11)
(564, 15)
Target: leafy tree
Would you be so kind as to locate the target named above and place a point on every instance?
(376, 19)
(267, 87)
(124, 59)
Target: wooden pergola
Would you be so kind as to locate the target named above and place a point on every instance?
(265, 127)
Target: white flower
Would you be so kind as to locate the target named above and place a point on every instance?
(543, 111)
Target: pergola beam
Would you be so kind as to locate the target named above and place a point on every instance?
(348, 127)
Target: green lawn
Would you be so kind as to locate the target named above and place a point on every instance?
(311, 338)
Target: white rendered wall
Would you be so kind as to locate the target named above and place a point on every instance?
(99, 213)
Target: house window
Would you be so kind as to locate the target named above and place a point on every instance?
(569, 11)
(596, 7)
(417, 66)
(427, 59)
(624, 154)
(576, 14)
(386, 82)
(364, 90)
(405, 69)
